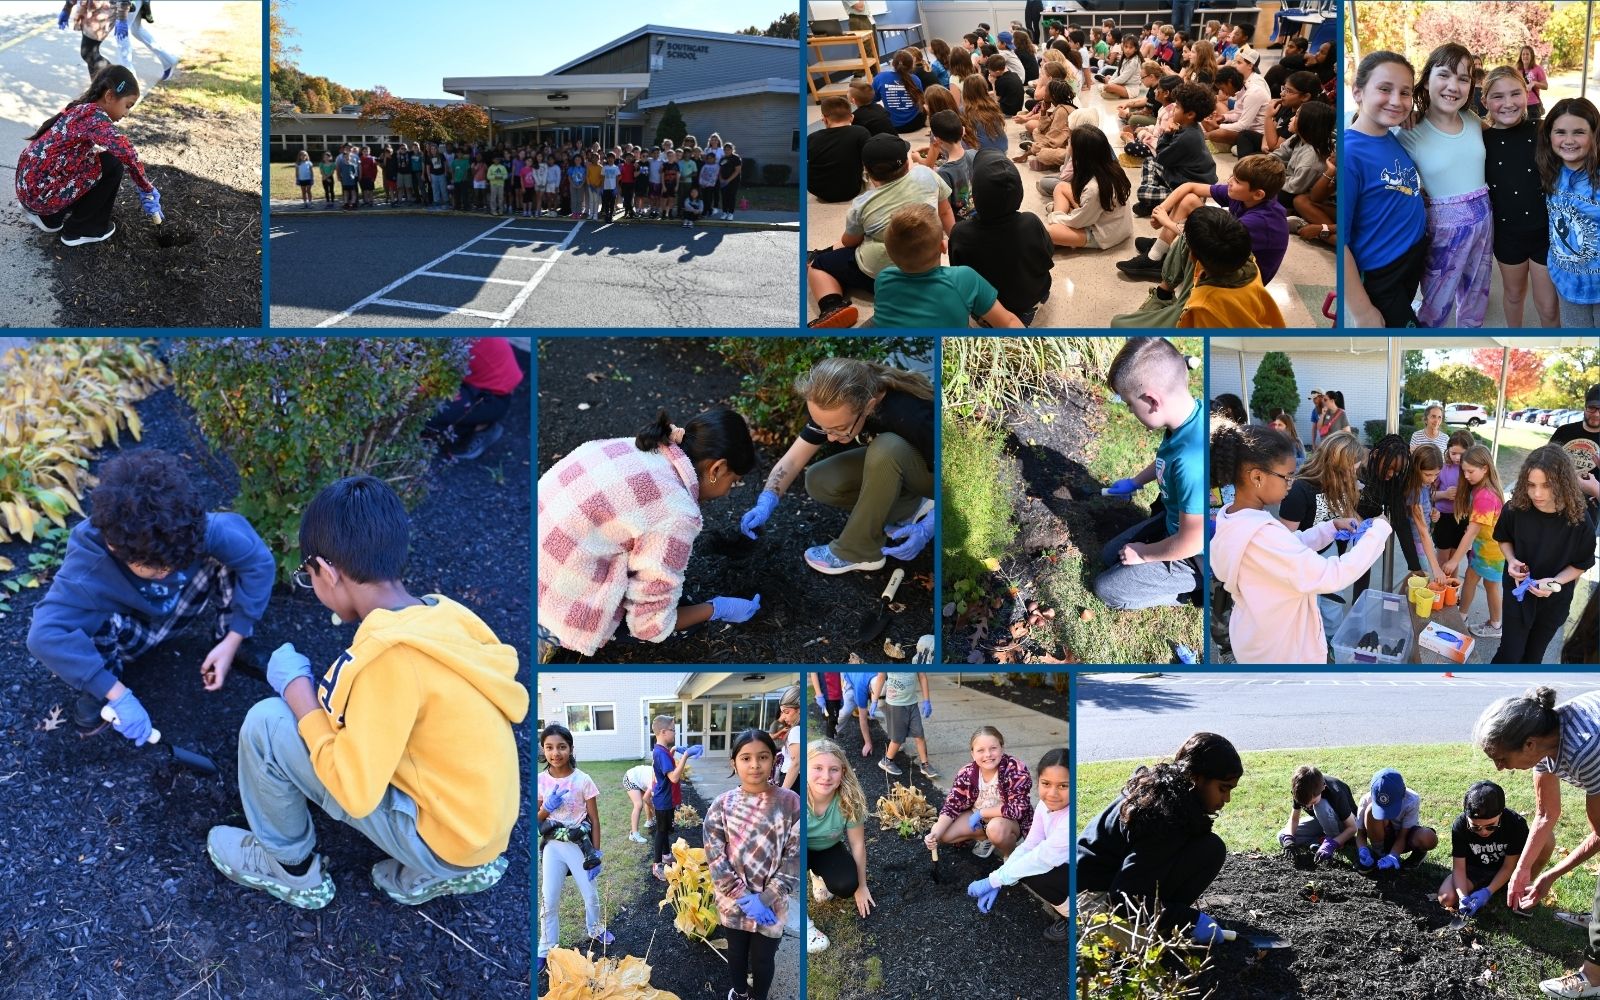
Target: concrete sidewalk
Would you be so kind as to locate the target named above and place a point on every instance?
(283, 210)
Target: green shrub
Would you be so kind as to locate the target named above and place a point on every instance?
(775, 174)
(295, 414)
(1126, 957)
(1273, 387)
(1376, 429)
(978, 524)
(768, 366)
(984, 376)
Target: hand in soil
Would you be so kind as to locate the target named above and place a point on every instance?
(734, 609)
(214, 668)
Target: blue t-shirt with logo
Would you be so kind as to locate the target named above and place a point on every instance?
(1180, 469)
(1575, 237)
(162, 594)
(1381, 213)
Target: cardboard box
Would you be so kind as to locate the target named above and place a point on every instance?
(1448, 643)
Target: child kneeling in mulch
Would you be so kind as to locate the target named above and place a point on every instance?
(752, 841)
(989, 802)
(377, 741)
(1040, 861)
(1486, 842)
(147, 563)
(1330, 808)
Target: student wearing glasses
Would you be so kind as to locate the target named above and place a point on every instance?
(1486, 842)
(883, 417)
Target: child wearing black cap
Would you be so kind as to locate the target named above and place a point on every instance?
(854, 264)
(1486, 841)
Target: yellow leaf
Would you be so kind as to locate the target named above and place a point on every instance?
(6, 565)
(992, 564)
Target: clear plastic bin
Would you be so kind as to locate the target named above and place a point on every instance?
(1374, 611)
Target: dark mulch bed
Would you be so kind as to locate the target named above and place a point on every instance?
(806, 616)
(1363, 937)
(105, 887)
(692, 971)
(202, 266)
(931, 938)
(1040, 697)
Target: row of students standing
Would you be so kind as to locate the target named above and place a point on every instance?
(1438, 195)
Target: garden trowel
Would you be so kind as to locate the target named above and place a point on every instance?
(1259, 940)
(188, 758)
(877, 619)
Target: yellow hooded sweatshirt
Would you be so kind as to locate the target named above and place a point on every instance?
(424, 699)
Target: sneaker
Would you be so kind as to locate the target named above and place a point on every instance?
(928, 770)
(73, 241)
(983, 848)
(239, 856)
(659, 871)
(815, 940)
(634, 836)
(1571, 985)
(86, 713)
(1141, 267)
(166, 74)
(603, 939)
(822, 559)
(1489, 631)
(734, 994)
(819, 890)
(412, 888)
(889, 767)
(686, 223)
(480, 444)
(1296, 223)
(728, 217)
(649, 824)
(841, 317)
(1057, 931)
(1142, 209)
(39, 221)
(1143, 244)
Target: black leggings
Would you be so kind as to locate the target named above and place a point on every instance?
(1190, 871)
(1052, 885)
(837, 869)
(663, 834)
(471, 409)
(751, 957)
(1527, 628)
(831, 723)
(1391, 287)
(89, 52)
(91, 213)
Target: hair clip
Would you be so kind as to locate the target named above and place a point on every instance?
(120, 85)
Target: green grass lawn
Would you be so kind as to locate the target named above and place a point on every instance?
(220, 73)
(1440, 774)
(1121, 448)
(625, 875)
(1516, 441)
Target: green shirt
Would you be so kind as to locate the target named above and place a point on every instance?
(944, 297)
(458, 169)
(822, 832)
(902, 689)
(498, 173)
(1180, 469)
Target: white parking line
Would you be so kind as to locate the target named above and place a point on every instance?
(499, 319)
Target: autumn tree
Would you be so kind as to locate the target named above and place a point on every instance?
(1524, 371)
(463, 122)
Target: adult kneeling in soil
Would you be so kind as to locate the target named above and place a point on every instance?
(377, 742)
(1388, 818)
(1153, 849)
(67, 177)
(836, 845)
(617, 521)
(1486, 841)
(1156, 563)
(990, 804)
(1557, 742)
(884, 477)
(1040, 863)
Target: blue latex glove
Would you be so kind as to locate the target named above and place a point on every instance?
(61, 22)
(1329, 848)
(556, 799)
(734, 609)
(1475, 902)
(1122, 488)
(150, 201)
(822, 705)
(122, 31)
(1343, 535)
(1522, 588)
(756, 910)
(1206, 930)
(1286, 840)
(132, 720)
(756, 516)
(912, 539)
(976, 820)
(285, 665)
(872, 710)
(1365, 856)
(694, 751)
(594, 872)
(927, 709)
(984, 893)
(1388, 863)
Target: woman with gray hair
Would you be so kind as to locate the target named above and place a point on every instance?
(1558, 743)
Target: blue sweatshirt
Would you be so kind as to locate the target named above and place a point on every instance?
(92, 585)
(1574, 221)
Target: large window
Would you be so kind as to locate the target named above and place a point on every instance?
(592, 718)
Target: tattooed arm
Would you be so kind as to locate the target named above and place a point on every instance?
(788, 467)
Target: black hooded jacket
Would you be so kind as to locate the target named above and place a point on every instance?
(1011, 249)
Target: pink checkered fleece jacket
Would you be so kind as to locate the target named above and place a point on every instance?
(616, 526)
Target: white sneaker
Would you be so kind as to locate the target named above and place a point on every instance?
(817, 941)
(819, 890)
(637, 839)
(983, 848)
(80, 240)
(1488, 631)
(1571, 985)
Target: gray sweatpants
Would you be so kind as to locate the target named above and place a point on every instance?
(276, 781)
(1321, 823)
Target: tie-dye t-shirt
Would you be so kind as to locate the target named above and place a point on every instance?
(1486, 506)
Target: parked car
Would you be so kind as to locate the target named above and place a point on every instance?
(1470, 414)
(1566, 417)
(1544, 417)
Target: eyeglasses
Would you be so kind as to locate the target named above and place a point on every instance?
(850, 431)
(1287, 479)
(302, 576)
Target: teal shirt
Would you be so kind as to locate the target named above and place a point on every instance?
(1180, 469)
(901, 689)
(944, 297)
(822, 832)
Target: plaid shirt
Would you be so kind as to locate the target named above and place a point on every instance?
(61, 166)
(1016, 789)
(616, 526)
(753, 845)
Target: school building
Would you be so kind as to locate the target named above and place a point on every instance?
(744, 87)
(609, 714)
